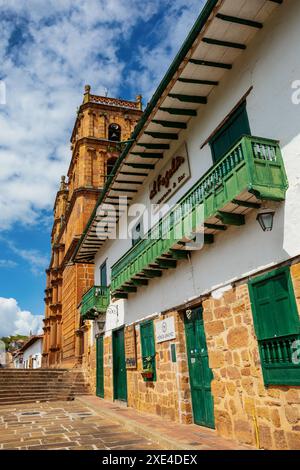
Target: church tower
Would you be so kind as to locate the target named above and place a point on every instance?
(101, 123)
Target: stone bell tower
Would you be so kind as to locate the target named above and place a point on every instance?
(100, 124)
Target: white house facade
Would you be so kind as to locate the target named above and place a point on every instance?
(32, 353)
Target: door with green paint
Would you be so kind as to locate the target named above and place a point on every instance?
(200, 373)
(100, 368)
(119, 366)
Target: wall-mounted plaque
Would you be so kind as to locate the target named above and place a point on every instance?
(130, 347)
(165, 330)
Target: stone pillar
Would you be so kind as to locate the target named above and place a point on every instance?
(89, 173)
(91, 124)
(103, 126)
(53, 334)
(54, 295)
(78, 344)
(59, 290)
(59, 330)
(55, 258)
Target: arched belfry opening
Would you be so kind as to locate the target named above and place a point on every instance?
(114, 132)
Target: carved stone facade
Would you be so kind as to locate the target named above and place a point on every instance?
(93, 156)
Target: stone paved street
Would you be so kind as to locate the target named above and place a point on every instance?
(63, 425)
(89, 423)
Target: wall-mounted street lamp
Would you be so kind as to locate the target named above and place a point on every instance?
(265, 218)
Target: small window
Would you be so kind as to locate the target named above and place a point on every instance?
(148, 350)
(114, 132)
(277, 326)
(233, 129)
(110, 165)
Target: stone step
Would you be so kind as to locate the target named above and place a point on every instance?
(42, 390)
(41, 377)
(37, 394)
(42, 386)
(42, 370)
(38, 372)
(28, 386)
(41, 400)
(41, 381)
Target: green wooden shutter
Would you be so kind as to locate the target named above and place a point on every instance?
(148, 346)
(277, 326)
(275, 310)
(103, 275)
(236, 126)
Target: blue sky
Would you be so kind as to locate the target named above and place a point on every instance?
(48, 52)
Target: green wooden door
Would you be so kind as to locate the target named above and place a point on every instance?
(103, 275)
(100, 368)
(200, 373)
(234, 128)
(119, 366)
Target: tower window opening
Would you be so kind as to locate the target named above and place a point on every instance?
(114, 132)
(110, 165)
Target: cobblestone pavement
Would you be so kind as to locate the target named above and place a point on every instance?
(64, 425)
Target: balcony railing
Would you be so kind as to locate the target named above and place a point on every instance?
(95, 301)
(280, 358)
(251, 171)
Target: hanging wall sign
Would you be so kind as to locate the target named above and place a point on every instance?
(130, 347)
(165, 330)
(171, 177)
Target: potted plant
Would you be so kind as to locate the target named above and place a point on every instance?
(148, 371)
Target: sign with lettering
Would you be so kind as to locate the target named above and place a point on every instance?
(130, 347)
(165, 330)
(171, 177)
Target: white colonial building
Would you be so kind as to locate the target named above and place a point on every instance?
(197, 310)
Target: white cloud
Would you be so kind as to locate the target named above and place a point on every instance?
(7, 263)
(48, 51)
(36, 260)
(15, 321)
(171, 32)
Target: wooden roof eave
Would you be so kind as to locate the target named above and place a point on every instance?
(208, 52)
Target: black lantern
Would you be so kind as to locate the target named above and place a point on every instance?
(265, 217)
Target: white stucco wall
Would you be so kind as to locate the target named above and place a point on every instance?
(34, 351)
(270, 65)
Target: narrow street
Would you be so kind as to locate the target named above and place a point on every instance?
(89, 423)
(63, 426)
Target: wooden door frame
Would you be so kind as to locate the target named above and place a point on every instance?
(195, 307)
(115, 330)
(97, 338)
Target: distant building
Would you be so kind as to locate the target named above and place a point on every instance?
(18, 360)
(30, 355)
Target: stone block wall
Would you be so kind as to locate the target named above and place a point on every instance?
(108, 368)
(246, 410)
(169, 395)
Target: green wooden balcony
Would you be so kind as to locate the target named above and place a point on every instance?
(250, 172)
(94, 302)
